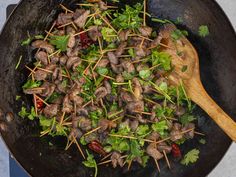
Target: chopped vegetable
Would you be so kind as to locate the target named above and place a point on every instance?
(191, 157)
(60, 42)
(203, 31)
(91, 163)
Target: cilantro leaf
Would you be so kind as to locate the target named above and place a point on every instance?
(142, 130)
(202, 141)
(23, 113)
(145, 74)
(177, 34)
(186, 118)
(191, 157)
(32, 114)
(162, 58)
(129, 18)
(160, 127)
(102, 70)
(108, 34)
(203, 31)
(135, 148)
(60, 42)
(26, 42)
(31, 84)
(91, 163)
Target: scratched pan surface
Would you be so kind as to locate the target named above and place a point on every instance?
(218, 73)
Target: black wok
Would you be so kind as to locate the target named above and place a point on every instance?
(218, 72)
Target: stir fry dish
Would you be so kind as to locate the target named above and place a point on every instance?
(100, 77)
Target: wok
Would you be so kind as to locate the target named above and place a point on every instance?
(218, 72)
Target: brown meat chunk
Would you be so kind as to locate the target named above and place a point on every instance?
(94, 33)
(71, 41)
(82, 18)
(71, 61)
(124, 35)
(100, 93)
(190, 134)
(32, 91)
(116, 160)
(48, 89)
(153, 152)
(67, 106)
(112, 58)
(43, 45)
(51, 110)
(145, 31)
(85, 124)
(64, 18)
(135, 106)
(42, 57)
(121, 48)
(106, 124)
(103, 63)
(175, 133)
(164, 147)
(128, 66)
(40, 75)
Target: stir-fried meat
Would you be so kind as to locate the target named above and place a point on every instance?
(67, 106)
(116, 68)
(75, 133)
(82, 18)
(51, 67)
(64, 18)
(126, 97)
(155, 42)
(42, 57)
(145, 31)
(164, 147)
(48, 89)
(58, 100)
(100, 93)
(94, 33)
(107, 86)
(116, 160)
(71, 41)
(102, 5)
(43, 45)
(103, 63)
(32, 91)
(51, 110)
(153, 152)
(57, 74)
(40, 75)
(141, 67)
(74, 95)
(60, 86)
(154, 136)
(124, 35)
(175, 133)
(55, 59)
(128, 66)
(180, 110)
(71, 61)
(135, 106)
(137, 88)
(105, 124)
(121, 48)
(70, 30)
(190, 134)
(73, 52)
(141, 119)
(112, 58)
(82, 112)
(140, 52)
(119, 78)
(134, 125)
(85, 124)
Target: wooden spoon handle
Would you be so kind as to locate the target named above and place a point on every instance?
(227, 124)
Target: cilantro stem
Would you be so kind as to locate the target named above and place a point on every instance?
(185, 94)
(18, 63)
(115, 114)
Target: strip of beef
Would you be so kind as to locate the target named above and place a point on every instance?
(128, 66)
(102, 5)
(124, 35)
(74, 95)
(154, 136)
(82, 18)
(75, 133)
(121, 48)
(42, 57)
(106, 124)
(145, 31)
(137, 88)
(107, 86)
(32, 91)
(135, 106)
(51, 110)
(153, 152)
(57, 74)
(100, 93)
(43, 45)
(94, 33)
(190, 134)
(85, 124)
(71, 41)
(103, 63)
(126, 97)
(82, 112)
(116, 160)
(40, 75)
(175, 133)
(48, 89)
(72, 61)
(64, 18)
(67, 106)
(118, 69)
(112, 58)
(133, 124)
(164, 147)
(55, 59)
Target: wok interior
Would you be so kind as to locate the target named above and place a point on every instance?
(218, 70)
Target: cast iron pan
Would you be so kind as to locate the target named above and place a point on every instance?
(218, 73)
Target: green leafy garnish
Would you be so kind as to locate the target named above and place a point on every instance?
(203, 31)
(18, 97)
(26, 42)
(60, 42)
(145, 74)
(186, 118)
(162, 58)
(31, 84)
(177, 34)
(202, 141)
(161, 21)
(23, 113)
(143, 130)
(160, 127)
(91, 163)
(30, 115)
(129, 18)
(108, 34)
(191, 157)
(102, 70)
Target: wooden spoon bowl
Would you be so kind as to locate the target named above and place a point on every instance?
(186, 69)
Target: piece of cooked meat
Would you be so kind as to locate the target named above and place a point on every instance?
(82, 18)
(116, 160)
(145, 31)
(43, 45)
(42, 57)
(51, 110)
(153, 152)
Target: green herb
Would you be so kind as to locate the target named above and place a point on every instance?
(135, 148)
(18, 97)
(23, 113)
(203, 31)
(160, 127)
(53, 97)
(108, 34)
(184, 68)
(91, 163)
(145, 159)
(32, 114)
(202, 141)
(98, 22)
(161, 21)
(31, 84)
(162, 112)
(144, 74)
(143, 130)
(131, 52)
(162, 58)
(191, 157)
(82, 141)
(26, 42)
(60, 42)
(129, 18)
(128, 76)
(177, 34)
(38, 37)
(179, 20)
(18, 63)
(102, 70)
(186, 118)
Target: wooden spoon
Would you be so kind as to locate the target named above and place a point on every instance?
(186, 69)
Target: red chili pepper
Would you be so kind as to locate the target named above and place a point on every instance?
(97, 147)
(39, 103)
(176, 151)
(85, 40)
